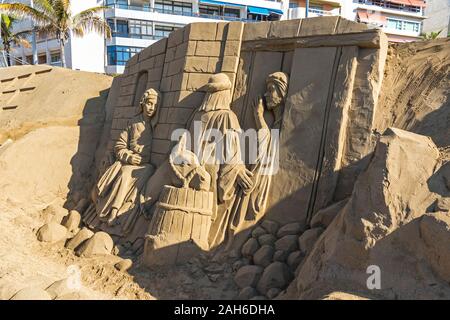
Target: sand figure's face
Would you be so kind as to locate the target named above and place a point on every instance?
(148, 104)
(273, 96)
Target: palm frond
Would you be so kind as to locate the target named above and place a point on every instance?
(90, 22)
(21, 11)
(88, 13)
(47, 31)
(21, 41)
(45, 6)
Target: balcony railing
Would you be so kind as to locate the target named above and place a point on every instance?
(179, 13)
(320, 12)
(392, 6)
(137, 36)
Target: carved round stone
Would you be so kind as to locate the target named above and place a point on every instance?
(72, 221)
(280, 255)
(270, 226)
(52, 232)
(257, 232)
(307, 240)
(79, 238)
(99, 243)
(263, 257)
(287, 243)
(259, 298)
(248, 276)
(294, 259)
(289, 229)
(276, 275)
(123, 265)
(267, 239)
(272, 293)
(250, 247)
(247, 293)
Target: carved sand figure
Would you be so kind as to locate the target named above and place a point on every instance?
(249, 208)
(117, 191)
(218, 146)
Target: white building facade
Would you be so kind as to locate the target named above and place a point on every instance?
(136, 24)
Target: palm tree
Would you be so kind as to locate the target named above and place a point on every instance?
(9, 37)
(54, 18)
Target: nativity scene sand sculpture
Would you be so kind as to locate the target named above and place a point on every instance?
(241, 160)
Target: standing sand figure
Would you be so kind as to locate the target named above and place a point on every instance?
(119, 187)
(218, 148)
(249, 208)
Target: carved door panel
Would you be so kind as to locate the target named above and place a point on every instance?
(314, 124)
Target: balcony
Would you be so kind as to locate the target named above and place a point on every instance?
(178, 13)
(393, 7)
(299, 13)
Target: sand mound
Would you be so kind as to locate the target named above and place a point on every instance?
(385, 225)
(39, 96)
(416, 90)
(36, 169)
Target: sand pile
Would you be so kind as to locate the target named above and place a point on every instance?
(396, 220)
(416, 90)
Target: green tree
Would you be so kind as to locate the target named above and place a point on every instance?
(9, 37)
(55, 18)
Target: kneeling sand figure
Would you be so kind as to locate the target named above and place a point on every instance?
(119, 187)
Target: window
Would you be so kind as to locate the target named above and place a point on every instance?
(42, 59)
(403, 25)
(257, 17)
(317, 9)
(29, 59)
(55, 57)
(122, 27)
(118, 3)
(163, 31)
(173, 7)
(140, 29)
(209, 10)
(119, 55)
(229, 12)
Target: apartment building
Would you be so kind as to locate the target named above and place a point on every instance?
(401, 20)
(86, 53)
(316, 8)
(136, 24)
(438, 17)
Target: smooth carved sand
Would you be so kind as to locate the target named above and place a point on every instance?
(397, 215)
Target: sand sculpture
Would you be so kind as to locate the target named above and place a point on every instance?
(237, 79)
(303, 211)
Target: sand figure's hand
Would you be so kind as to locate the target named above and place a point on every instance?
(244, 180)
(258, 106)
(135, 159)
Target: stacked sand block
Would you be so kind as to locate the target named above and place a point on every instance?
(178, 67)
(335, 67)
